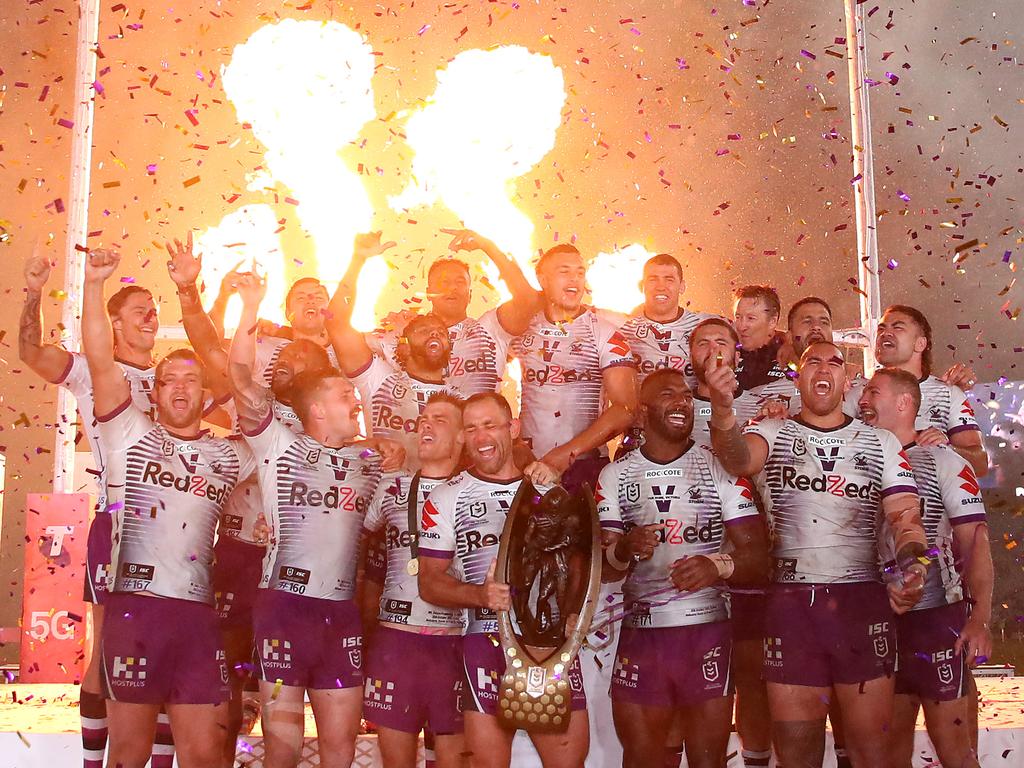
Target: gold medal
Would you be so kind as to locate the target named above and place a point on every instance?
(413, 567)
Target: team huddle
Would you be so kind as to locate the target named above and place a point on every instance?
(789, 542)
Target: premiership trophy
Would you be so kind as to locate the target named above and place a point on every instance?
(550, 555)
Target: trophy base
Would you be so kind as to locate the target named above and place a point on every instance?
(535, 697)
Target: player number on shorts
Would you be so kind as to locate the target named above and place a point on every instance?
(44, 625)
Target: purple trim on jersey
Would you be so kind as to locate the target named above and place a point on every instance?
(116, 412)
(262, 426)
(441, 554)
(615, 525)
(361, 370)
(847, 420)
(67, 370)
(979, 518)
(899, 489)
(621, 364)
(216, 403)
(964, 428)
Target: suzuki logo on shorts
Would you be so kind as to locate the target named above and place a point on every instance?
(827, 457)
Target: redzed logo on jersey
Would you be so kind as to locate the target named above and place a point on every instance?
(970, 481)
(429, 512)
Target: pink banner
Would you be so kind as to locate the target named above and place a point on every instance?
(53, 616)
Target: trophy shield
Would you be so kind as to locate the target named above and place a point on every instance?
(550, 554)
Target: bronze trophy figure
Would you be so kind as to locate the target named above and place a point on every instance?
(550, 554)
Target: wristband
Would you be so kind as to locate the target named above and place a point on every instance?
(724, 563)
(614, 561)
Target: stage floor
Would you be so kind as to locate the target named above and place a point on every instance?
(39, 729)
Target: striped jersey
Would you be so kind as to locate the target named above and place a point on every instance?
(663, 345)
(562, 382)
(166, 494)
(943, 406)
(823, 491)
(400, 603)
(315, 499)
(694, 498)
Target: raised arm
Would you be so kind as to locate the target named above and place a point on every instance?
(515, 314)
(110, 388)
(741, 455)
(251, 401)
(620, 392)
(228, 288)
(184, 268)
(48, 360)
(349, 344)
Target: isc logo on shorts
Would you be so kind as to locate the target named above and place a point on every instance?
(880, 631)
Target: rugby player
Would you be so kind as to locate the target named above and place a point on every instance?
(829, 630)
(133, 315)
(904, 340)
(395, 396)
(579, 374)
(944, 634)
(166, 483)
(316, 488)
(809, 320)
(414, 660)
(458, 545)
(479, 345)
(666, 509)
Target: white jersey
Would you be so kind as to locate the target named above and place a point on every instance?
(268, 349)
(823, 491)
(943, 406)
(462, 521)
(950, 496)
(478, 357)
(78, 381)
(563, 365)
(693, 497)
(400, 602)
(745, 406)
(395, 400)
(663, 345)
(245, 503)
(316, 498)
(166, 494)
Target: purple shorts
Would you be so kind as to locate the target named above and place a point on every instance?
(673, 666)
(747, 609)
(306, 642)
(237, 568)
(413, 680)
(97, 558)
(927, 666)
(159, 650)
(484, 664)
(584, 471)
(821, 634)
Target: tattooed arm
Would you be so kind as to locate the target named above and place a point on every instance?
(48, 360)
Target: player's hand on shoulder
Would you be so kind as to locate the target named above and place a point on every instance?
(932, 436)
(961, 375)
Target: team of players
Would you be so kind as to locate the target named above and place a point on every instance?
(254, 540)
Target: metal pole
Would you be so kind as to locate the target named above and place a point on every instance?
(864, 179)
(77, 232)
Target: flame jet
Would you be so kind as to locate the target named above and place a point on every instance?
(493, 116)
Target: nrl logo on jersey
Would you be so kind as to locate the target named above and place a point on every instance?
(399, 391)
(632, 492)
(313, 456)
(799, 447)
(168, 448)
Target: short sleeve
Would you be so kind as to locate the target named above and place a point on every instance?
(961, 494)
(374, 520)
(613, 349)
(246, 459)
(736, 494)
(76, 376)
(767, 429)
(270, 439)
(369, 379)
(502, 339)
(123, 426)
(961, 413)
(608, 511)
(383, 343)
(437, 523)
(897, 474)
